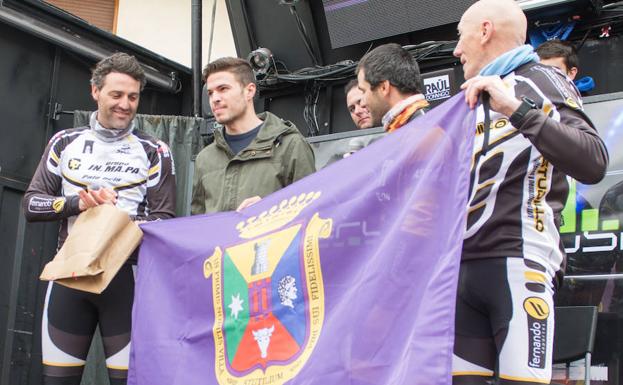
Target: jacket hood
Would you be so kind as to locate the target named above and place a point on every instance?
(272, 128)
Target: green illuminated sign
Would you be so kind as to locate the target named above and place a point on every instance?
(589, 217)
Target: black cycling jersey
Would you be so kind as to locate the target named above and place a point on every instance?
(518, 187)
(512, 250)
(140, 169)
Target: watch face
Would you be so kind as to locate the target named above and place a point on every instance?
(530, 102)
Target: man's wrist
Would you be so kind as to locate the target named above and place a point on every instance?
(74, 205)
(523, 107)
(513, 106)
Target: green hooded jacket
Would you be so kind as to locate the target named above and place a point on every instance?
(277, 157)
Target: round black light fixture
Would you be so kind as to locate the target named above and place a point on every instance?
(260, 60)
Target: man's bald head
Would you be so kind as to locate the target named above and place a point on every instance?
(488, 29)
(507, 17)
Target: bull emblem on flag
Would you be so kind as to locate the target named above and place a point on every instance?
(268, 295)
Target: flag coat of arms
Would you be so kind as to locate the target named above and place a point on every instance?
(346, 277)
(268, 308)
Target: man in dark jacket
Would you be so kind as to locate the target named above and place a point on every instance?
(252, 155)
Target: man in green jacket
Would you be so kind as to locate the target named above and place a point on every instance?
(253, 155)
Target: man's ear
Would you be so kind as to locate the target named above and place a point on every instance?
(95, 92)
(384, 87)
(486, 31)
(572, 72)
(250, 90)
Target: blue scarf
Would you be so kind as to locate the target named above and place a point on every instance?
(510, 60)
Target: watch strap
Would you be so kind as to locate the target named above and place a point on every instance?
(525, 106)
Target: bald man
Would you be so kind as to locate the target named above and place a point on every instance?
(530, 132)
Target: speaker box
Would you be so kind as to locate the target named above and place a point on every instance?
(441, 85)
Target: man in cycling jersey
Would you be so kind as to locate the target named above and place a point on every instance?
(530, 133)
(106, 162)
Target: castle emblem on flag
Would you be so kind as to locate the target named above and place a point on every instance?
(268, 295)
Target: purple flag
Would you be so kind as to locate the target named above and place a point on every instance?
(345, 277)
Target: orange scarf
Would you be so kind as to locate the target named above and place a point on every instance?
(405, 115)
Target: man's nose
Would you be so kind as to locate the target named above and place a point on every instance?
(362, 103)
(359, 110)
(124, 103)
(457, 51)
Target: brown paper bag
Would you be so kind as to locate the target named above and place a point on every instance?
(100, 241)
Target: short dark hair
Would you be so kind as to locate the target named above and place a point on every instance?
(239, 67)
(394, 63)
(118, 62)
(350, 85)
(559, 48)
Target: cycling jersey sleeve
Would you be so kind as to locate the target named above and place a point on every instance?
(560, 130)
(572, 145)
(43, 200)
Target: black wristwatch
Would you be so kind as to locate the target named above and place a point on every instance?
(526, 105)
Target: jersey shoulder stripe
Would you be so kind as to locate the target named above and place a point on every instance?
(59, 142)
(552, 83)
